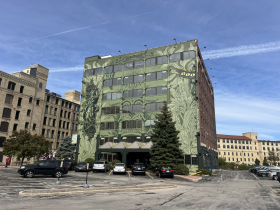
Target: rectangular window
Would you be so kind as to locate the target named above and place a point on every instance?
(117, 67)
(56, 101)
(63, 124)
(98, 71)
(156, 91)
(30, 99)
(109, 125)
(53, 122)
(52, 134)
(11, 85)
(110, 110)
(111, 96)
(72, 126)
(153, 107)
(34, 127)
(188, 159)
(55, 111)
(46, 109)
(6, 113)
(67, 125)
(38, 102)
(4, 126)
(76, 127)
(17, 115)
(9, 99)
(50, 119)
(175, 57)
(28, 112)
(77, 116)
(19, 101)
(156, 76)
(108, 69)
(15, 127)
(117, 81)
(26, 125)
(21, 89)
(132, 124)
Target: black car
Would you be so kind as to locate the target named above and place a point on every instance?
(82, 166)
(45, 167)
(164, 171)
(138, 168)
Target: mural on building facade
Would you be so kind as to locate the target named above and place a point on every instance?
(182, 101)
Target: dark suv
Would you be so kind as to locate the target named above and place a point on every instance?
(45, 167)
(138, 168)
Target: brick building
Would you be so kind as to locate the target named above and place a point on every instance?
(27, 104)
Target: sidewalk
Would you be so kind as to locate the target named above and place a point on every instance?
(190, 178)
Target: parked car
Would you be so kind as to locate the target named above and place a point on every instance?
(45, 167)
(71, 164)
(273, 174)
(138, 168)
(119, 168)
(101, 166)
(81, 166)
(165, 171)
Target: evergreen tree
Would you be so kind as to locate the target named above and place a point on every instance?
(265, 163)
(66, 149)
(166, 146)
(257, 162)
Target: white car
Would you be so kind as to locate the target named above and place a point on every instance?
(119, 168)
(273, 173)
(101, 166)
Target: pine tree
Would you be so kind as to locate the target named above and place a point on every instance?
(66, 149)
(257, 162)
(166, 146)
(265, 163)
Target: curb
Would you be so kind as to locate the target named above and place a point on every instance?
(54, 192)
(190, 179)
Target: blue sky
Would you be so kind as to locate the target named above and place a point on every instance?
(242, 40)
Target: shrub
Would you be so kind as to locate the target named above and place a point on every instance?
(205, 171)
(115, 161)
(243, 167)
(90, 161)
(181, 169)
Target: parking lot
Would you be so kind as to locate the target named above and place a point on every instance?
(223, 190)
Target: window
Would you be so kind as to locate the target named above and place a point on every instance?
(78, 108)
(132, 108)
(218, 146)
(240, 147)
(182, 56)
(52, 134)
(70, 105)
(66, 104)
(91, 72)
(58, 134)
(247, 147)
(34, 127)
(72, 126)
(77, 117)
(41, 85)
(228, 146)
(55, 111)
(231, 141)
(21, 89)
(133, 93)
(243, 147)
(30, 99)
(46, 109)
(17, 115)
(133, 79)
(235, 146)
(235, 141)
(61, 113)
(28, 112)
(48, 133)
(19, 101)
(156, 91)
(76, 127)
(26, 125)
(108, 110)
(11, 85)
(50, 119)
(45, 121)
(38, 102)
(69, 114)
(15, 127)
(6, 113)
(9, 99)
(109, 125)
(153, 107)
(62, 136)
(59, 125)
(48, 98)
(224, 146)
(63, 124)
(65, 114)
(56, 101)
(112, 82)
(149, 123)
(156, 75)
(110, 69)
(53, 122)
(74, 107)
(134, 64)
(227, 141)
(132, 124)
(157, 60)
(231, 146)
(218, 140)
(4, 126)
(111, 96)
(175, 57)
(67, 125)
(73, 116)
(224, 141)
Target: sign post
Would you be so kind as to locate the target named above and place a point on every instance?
(86, 184)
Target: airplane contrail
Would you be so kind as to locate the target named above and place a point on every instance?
(77, 29)
(74, 68)
(242, 50)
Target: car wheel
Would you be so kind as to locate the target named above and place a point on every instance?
(58, 174)
(159, 175)
(29, 174)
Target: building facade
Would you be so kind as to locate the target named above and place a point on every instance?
(246, 148)
(122, 94)
(27, 104)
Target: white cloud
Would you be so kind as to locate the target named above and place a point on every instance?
(73, 68)
(242, 50)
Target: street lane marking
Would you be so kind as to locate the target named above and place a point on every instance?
(272, 189)
(255, 176)
(149, 175)
(110, 172)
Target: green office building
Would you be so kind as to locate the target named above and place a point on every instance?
(121, 96)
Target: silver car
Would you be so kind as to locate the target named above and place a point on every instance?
(101, 166)
(119, 168)
(273, 173)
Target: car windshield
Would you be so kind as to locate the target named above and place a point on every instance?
(166, 167)
(81, 163)
(119, 164)
(99, 162)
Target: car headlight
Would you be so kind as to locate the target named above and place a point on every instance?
(22, 167)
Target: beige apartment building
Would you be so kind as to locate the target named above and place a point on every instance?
(246, 148)
(25, 103)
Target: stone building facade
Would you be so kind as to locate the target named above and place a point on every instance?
(27, 104)
(246, 148)
(121, 96)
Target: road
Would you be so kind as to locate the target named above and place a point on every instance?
(223, 190)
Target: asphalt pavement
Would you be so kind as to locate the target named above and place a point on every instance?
(223, 190)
